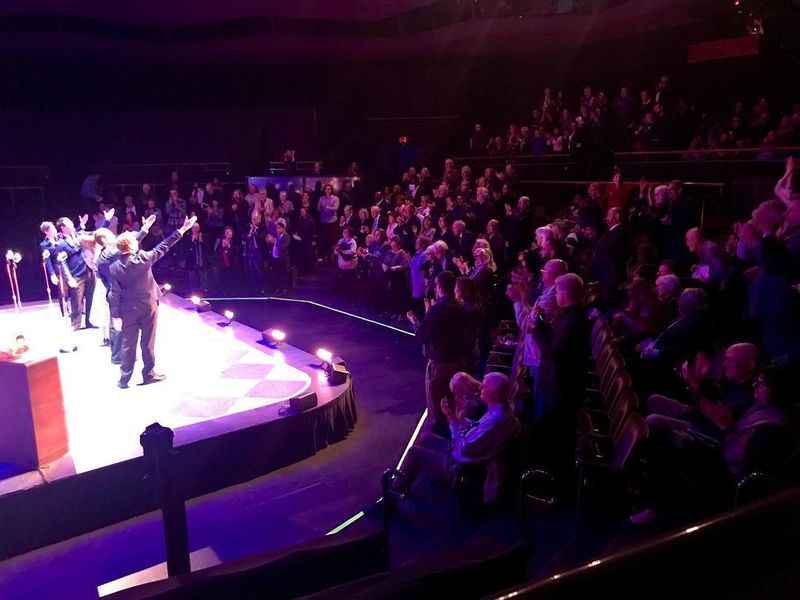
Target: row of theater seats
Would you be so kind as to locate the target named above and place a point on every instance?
(610, 429)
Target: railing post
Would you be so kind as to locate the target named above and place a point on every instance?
(156, 441)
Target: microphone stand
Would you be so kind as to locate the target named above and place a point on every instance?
(11, 284)
(17, 259)
(46, 257)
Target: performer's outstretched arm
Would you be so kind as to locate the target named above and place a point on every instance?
(163, 247)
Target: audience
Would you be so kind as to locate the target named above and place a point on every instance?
(699, 316)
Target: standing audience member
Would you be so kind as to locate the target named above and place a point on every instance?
(445, 344)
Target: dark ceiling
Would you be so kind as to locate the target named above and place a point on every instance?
(257, 31)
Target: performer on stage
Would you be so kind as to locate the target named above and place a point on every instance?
(134, 300)
(49, 243)
(78, 246)
(108, 255)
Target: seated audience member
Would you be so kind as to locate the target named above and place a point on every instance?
(476, 443)
(691, 471)
(446, 343)
(466, 392)
(641, 315)
(685, 335)
(668, 290)
(735, 395)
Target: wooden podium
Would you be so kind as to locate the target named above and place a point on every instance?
(33, 429)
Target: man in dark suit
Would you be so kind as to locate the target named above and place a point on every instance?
(564, 346)
(280, 258)
(611, 252)
(446, 343)
(378, 220)
(134, 300)
(47, 250)
(81, 291)
(109, 254)
(460, 240)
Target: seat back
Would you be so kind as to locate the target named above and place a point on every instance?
(633, 432)
(626, 405)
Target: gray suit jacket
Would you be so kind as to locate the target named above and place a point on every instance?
(132, 282)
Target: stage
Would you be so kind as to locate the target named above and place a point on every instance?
(225, 397)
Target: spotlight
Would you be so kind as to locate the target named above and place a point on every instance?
(229, 315)
(17, 257)
(336, 373)
(9, 255)
(167, 287)
(200, 305)
(326, 356)
(273, 337)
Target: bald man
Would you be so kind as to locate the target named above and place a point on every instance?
(710, 416)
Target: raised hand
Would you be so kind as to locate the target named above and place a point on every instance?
(108, 214)
(82, 220)
(187, 224)
(147, 222)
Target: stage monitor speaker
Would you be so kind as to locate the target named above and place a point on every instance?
(337, 374)
(304, 402)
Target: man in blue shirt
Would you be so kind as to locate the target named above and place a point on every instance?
(80, 287)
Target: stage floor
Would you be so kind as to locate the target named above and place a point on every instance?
(219, 379)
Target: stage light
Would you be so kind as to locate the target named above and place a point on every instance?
(277, 335)
(336, 374)
(200, 304)
(229, 315)
(167, 287)
(9, 255)
(17, 257)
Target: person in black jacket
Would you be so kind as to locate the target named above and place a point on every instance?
(108, 255)
(280, 258)
(81, 291)
(460, 240)
(305, 230)
(446, 343)
(134, 300)
(564, 347)
(611, 253)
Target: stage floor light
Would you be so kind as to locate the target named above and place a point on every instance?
(326, 356)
